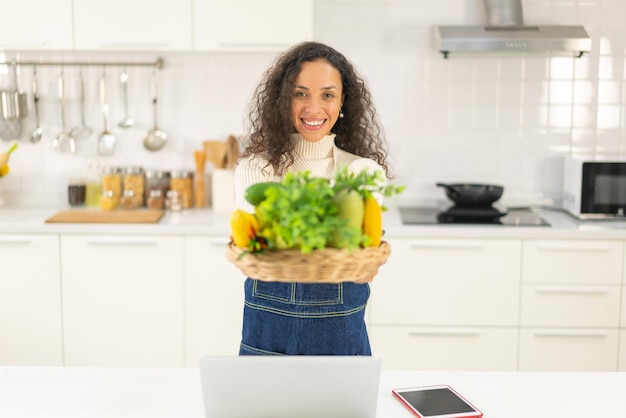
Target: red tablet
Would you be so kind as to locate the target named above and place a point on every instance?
(439, 401)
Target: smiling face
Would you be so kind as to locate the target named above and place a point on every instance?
(317, 99)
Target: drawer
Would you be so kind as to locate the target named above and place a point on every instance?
(568, 349)
(570, 305)
(457, 282)
(444, 348)
(572, 261)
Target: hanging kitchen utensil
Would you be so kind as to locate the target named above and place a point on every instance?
(14, 103)
(82, 131)
(127, 122)
(155, 139)
(106, 141)
(38, 132)
(63, 142)
(468, 194)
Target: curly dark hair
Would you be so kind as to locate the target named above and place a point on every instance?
(271, 127)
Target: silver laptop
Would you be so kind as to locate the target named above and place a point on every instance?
(290, 386)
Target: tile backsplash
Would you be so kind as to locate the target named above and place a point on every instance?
(497, 118)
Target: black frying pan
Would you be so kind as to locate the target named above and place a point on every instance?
(468, 194)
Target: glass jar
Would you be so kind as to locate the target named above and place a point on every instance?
(133, 185)
(111, 188)
(157, 185)
(93, 180)
(76, 189)
(182, 183)
(172, 201)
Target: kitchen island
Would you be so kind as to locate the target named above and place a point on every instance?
(57, 392)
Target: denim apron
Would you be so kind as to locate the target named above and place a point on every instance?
(304, 319)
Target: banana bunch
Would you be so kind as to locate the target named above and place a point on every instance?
(306, 213)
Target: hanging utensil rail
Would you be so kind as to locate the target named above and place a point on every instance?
(158, 63)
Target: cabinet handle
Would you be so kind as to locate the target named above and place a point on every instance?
(252, 45)
(133, 44)
(447, 245)
(570, 334)
(25, 44)
(444, 333)
(219, 242)
(572, 290)
(9, 241)
(121, 241)
(574, 246)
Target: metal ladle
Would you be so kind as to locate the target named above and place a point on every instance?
(127, 122)
(81, 131)
(38, 132)
(155, 139)
(63, 142)
(106, 141)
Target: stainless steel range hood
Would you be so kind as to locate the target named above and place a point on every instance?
(506, 31)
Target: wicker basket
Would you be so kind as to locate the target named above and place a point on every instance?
(329, 265)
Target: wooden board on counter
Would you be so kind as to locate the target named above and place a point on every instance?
(146, 216)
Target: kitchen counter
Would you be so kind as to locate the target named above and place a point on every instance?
(210, 222)
(143, 392)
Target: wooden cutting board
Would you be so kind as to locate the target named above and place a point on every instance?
(144, 216)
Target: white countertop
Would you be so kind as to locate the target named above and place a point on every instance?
(209, 222)
(55, 392)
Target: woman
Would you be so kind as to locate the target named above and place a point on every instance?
(311, 112)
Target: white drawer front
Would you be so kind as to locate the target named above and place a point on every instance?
(444, 348)
(572, 261)
(570, 305)
(568, 349)
(448, 282)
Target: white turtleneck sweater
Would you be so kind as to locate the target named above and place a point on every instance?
(321, 158)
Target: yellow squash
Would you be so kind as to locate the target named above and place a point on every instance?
(373, 221)
(244, 226)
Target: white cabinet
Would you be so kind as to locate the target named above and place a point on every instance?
(123, 300)
(214, 299)
(448, 282)
(36, 24)
(445, 348)
(133, 25)
(251, 24)
(30, 301)
(447, 304)
(570, 305)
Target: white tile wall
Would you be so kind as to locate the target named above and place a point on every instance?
(492, 118)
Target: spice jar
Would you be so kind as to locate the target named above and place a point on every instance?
(133, 184)
(76, 190)
(172, 202)
(111, 188)
(157, 185)
(182, 183)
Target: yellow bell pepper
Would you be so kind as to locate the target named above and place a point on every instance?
(373, 221)
(244, 226)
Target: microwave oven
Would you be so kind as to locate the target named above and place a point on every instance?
(594, 189)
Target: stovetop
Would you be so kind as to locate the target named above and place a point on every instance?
(494, 215)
